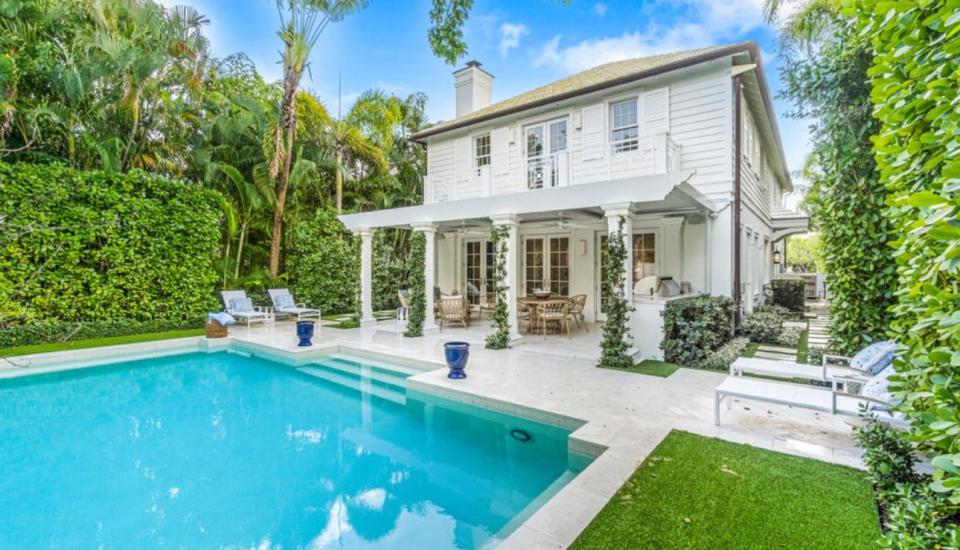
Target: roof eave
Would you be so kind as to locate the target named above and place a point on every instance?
(733, 49)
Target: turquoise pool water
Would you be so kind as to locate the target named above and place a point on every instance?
(226, 451)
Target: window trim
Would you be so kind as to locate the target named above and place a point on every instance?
(476, 151)
(615, 145)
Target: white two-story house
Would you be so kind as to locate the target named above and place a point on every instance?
(684, 147)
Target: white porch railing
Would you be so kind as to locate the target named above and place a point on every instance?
(548, 171)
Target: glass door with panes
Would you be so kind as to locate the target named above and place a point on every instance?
(546, 264)
(480, 267)
(544, 142)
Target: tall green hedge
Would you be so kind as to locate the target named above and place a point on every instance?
(323, 262)
(827, 82)
(99, 246)
(916, 91)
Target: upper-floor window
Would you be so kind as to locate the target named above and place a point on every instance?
(481, 151)
(543, 142)
(624, 131)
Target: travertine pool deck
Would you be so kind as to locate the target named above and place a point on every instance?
(621, 416)
(626, 414)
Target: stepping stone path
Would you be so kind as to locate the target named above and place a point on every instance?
(779, 353)
(819, 332)
(818, 335)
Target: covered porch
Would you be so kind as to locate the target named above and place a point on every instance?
(555, 242)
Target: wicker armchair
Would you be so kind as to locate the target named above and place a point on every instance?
(454, 309)
(577, 304)
(554, 311)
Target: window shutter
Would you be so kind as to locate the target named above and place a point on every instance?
(500, 151)
(655, 114)
(463, 165)
(592, 137)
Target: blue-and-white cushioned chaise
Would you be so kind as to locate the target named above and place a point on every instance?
(283, 302)
(870, 370)
(241, 307)
(867, 363)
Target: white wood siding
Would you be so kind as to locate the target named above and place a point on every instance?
(689, 115)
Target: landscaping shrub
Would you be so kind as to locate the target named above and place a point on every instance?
(695, 327)
(722, 358)
(763, 326)
(616, 330)
(790, 337)
(789, 294)
(68, 331)
(99, 246)
(417, 315)
(887, 454)
(323, 262)
(917, 518)
(915, 49)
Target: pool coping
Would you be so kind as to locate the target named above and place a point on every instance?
(555, 524)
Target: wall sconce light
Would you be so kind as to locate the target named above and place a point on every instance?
(583, 247)
(776, 257)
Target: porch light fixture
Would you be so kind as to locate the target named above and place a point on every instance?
(776, 257)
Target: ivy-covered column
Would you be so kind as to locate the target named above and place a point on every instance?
(429, 232)
(509, 221)
(366, 276)
(617, 214)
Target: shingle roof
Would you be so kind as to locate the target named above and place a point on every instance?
(608, 74)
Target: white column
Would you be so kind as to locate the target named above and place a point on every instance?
(513, 272)
(429, 231)
(366, 276)
(614, 212)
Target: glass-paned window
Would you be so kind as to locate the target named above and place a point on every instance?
(560, 265)
(624, 131)
(534, 264)
(558, 136)
(481, 151)
(644, 255)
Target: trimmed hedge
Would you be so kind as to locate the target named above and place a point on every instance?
(66, 331)
(695, 327)
(789, 293)
(915, 75)
(82, 246)
(323, 261)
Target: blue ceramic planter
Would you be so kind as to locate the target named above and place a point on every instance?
(305, 333)
(456, 354)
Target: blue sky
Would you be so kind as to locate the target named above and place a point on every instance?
(522, 43)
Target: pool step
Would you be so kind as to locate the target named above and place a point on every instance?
(406, 371)
(364, 370)
(364, 380)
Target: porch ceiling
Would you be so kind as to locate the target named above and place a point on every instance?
(661, 193)
(786, 223)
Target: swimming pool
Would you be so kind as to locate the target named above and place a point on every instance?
(220, 450)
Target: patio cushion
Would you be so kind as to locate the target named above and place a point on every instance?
(875, 357)
(285, 301)
(878, 387)
(241, 305)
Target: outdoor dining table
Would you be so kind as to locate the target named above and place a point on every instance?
(534, 304)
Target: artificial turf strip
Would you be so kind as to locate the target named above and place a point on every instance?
(750, 350)
(652, 368)
(803, 346)
(98, 342)
(699, 492)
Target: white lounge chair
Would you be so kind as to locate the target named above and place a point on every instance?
(804, 396)
(859, 368)
(283, 302)
(239, 305)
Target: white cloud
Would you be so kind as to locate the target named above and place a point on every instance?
(700, 23)
(600, 9)
(510, 34)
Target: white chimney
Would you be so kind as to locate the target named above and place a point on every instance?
(474, 86)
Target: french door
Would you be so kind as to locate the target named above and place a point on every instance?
(479, 269)
(543, 142)
(546, 264)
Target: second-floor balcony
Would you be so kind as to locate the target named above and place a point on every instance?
(643, 156)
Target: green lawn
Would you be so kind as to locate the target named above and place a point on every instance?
(652, 368)
(699, 492)
(97, 342)
(750, 350)
(803, 346)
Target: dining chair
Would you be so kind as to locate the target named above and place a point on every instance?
(555, 311)
(577, 303)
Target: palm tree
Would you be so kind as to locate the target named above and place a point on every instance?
(250, 196)
(301, 24)
(808, 18)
